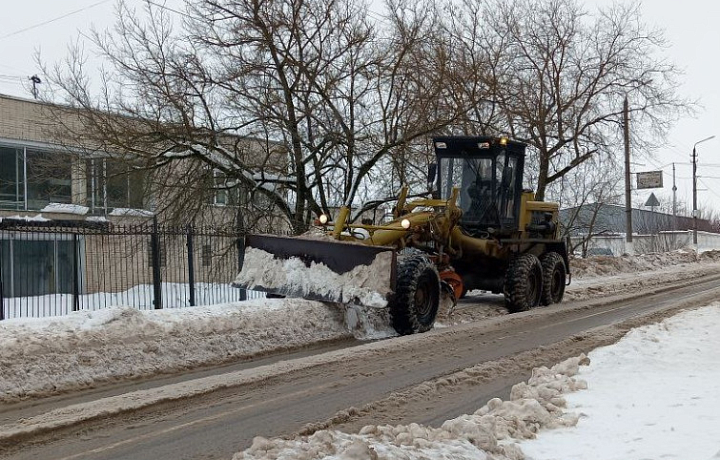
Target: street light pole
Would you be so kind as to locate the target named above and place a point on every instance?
(629, 248)
(695, 209)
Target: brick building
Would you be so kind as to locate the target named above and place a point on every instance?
(44, 178)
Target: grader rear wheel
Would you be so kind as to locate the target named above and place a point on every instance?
(523, 283)
(554, 271)
(417, 296)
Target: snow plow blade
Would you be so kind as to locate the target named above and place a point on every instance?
(324, 270)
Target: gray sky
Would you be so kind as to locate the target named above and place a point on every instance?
(691, 27)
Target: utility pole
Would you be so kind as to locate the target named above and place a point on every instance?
(695, 209)
(694, 213)
(674, 189)
(628, 187)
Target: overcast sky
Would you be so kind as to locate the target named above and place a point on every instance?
(691, 27)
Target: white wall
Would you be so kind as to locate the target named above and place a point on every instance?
(661, 242)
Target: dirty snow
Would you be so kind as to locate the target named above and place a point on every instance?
(489, 432)
(58, 354)
(49, 355)
(652, 395)
(608, 265)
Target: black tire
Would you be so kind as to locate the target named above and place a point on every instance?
(553, 268)
(523, 283)
(417, 295)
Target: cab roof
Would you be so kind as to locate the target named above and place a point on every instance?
(450, 144)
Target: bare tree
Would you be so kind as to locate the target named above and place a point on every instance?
(295, 101)
(556, 77)
(586, 193)
(295, 107)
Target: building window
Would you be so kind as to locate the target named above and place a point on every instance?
(113, 184)
(49, 178)
(30, 179)
(12, 179)
(226, 192)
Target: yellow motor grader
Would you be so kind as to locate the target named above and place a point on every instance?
(479, 230)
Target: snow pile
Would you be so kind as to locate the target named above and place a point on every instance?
(36, 218)
(64, 208)
(609, 265)
(596, 266)
(51, 355)
(364, 285)
(710, 256)
(129, 212)
(652, 395)
(369, 323)
(57, 354)
(140, 296)
(490, 433)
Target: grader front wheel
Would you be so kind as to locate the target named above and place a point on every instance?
(417, 295)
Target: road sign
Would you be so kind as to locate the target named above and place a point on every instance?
(650, 179)
(652, 201)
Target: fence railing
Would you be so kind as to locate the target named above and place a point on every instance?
(55, 267)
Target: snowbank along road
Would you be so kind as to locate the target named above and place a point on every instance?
(65, 380)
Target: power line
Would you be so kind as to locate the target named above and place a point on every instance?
(165, 7)
(649, 160)
(11, 80)
(709, 189)
(35, 26)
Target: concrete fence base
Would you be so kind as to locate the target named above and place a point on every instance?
(644, 244)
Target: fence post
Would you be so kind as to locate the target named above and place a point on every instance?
(2, 294)
(241, 259)
(76, 275)
(155, 248)
(191, 264)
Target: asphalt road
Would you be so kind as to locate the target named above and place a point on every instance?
(380, 383)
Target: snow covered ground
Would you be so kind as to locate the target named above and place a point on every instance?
(650, 396)
(59, 354)
(176, 295)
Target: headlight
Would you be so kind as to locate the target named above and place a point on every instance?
(323, 219)
(405, 224)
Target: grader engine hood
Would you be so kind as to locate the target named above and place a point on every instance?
(318, 269)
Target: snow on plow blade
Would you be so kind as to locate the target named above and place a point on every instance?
(324, 270)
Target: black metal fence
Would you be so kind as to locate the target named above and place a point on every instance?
(51, 268)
